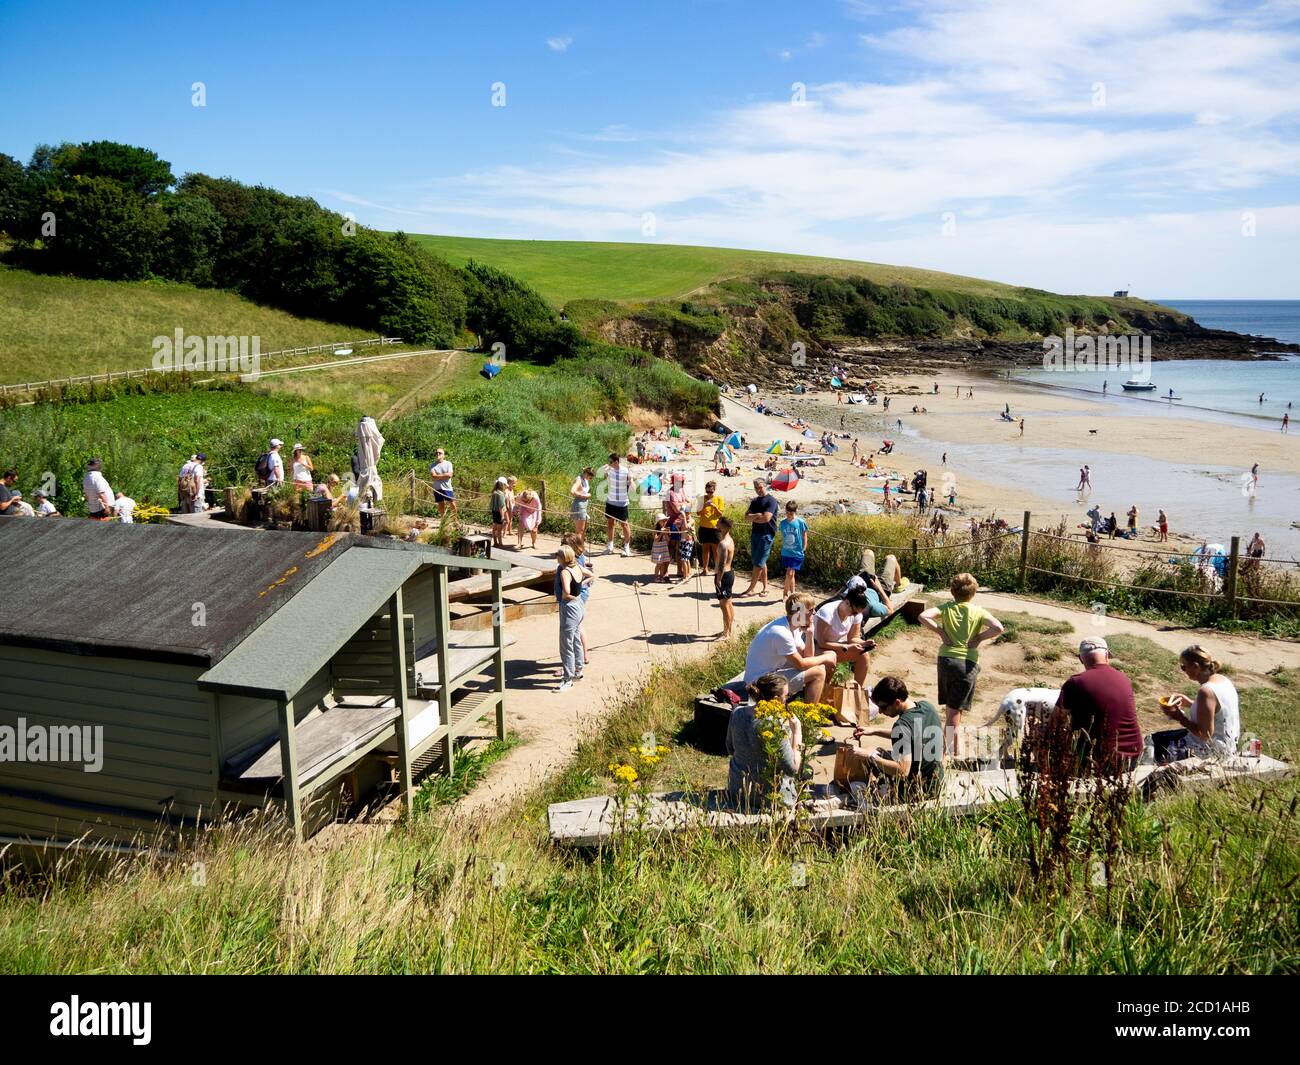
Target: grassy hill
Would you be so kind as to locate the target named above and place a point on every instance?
(61, 326)
(564, 270)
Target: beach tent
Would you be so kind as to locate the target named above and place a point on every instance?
(734, 440)
(776, 448)
(1217, 555)
(660, 451)
(674, 431)
(810, 434)
(651, 485)
(785, 481)
(751, 389)
(490, 370)
(857, 397)
(370, 442)
(836, 383)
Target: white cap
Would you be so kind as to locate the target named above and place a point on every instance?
(276, 442)
(1093, 643)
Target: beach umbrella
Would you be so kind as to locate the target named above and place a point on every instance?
(776, 448)
(734, 440)
(785, 481)
(370, 442)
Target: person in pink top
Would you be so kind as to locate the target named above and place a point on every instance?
(529, 512)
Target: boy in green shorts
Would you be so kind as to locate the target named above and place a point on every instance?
(962, 627)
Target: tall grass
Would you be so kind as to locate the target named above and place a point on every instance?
(1202, 883)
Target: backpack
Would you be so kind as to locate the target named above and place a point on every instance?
(189, 486)
(263, 467)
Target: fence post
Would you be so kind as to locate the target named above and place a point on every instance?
(1024, 554)
(541, 494)
(1230, 577)
(411, 504)
(915, 556)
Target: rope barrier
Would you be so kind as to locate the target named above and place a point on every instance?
(1122, 584)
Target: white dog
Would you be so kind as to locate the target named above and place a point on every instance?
(1016, 708)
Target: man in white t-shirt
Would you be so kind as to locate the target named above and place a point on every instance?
(97, 491)
(44, 508)
(124, 508)
(276, 461)
(839, 629)
(618, 483)
(440, 473)
(786, 646)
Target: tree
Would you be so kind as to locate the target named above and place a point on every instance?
(14, 195)
(137, 169)
(102, 229)
(188, 247)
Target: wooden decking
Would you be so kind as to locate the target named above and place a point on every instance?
(596, 821)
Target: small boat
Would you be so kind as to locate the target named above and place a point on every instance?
(1134, 385)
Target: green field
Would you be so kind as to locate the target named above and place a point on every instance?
(63, 326)
(564, 270)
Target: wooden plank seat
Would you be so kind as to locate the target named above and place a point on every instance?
(468, 653)
(335, 739)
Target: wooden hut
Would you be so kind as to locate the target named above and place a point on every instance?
(222, 668)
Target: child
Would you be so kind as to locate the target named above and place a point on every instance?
(509, 526)
(659, 549)
(529, 513)
(794, 544)
(499, 511)
(962, 627)
(685, 554)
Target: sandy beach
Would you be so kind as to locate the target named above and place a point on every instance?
(1139, 453)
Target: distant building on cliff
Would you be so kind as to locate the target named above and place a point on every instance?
(1121, 292)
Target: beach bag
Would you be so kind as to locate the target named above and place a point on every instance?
(263, 467)
(851, 702)
(850, 764)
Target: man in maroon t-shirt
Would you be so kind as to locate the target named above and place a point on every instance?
(1100, 704)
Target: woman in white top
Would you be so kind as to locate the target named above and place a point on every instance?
(302, 469)
(1212, 728)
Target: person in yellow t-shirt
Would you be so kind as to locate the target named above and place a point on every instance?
(962, 627)
(710, 510)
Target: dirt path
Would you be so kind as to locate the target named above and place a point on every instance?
(551, 722)
(408, 399)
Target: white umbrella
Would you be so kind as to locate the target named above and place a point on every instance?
(370, 442)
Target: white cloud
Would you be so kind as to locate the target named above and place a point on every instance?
(998, 124)
(559, 44)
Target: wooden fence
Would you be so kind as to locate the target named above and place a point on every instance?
(126, 375)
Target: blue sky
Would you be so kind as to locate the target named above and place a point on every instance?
(1075, 146)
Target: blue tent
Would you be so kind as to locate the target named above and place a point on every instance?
(490, 370)
(836, 383)
(734, 440)
(651, 485)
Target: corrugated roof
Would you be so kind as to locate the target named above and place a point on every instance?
(88, 587)
(286, 651)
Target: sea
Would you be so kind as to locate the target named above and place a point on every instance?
(1207, 498)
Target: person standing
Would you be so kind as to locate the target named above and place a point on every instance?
(675, 506)
(1133, 522)
(961, 627)
(190, 483)
(579, 546)
(711, 512)
(1022, 426)
(922, 498)
(1101, 709)
(1163, 522)
(9, 499)
(498, 505)
(303, 469)
(761, 517)
(1286, 420)
(97, 491)
(440, 473)
(724, 579)
(794, 545)
(270, 467)
(580, 491)
(572, 608)
(619, 482)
